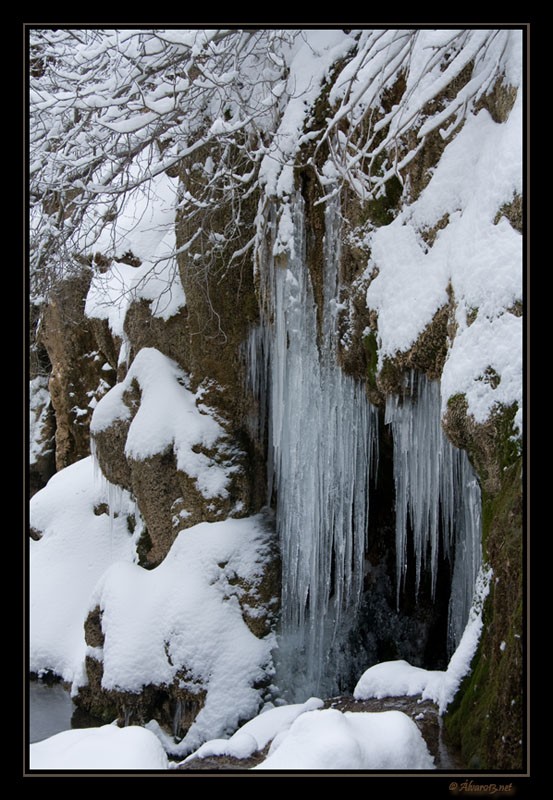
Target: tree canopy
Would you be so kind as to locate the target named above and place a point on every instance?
(112, 109)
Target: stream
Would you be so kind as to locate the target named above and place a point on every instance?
(51, 711)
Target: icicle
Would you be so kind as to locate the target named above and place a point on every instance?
(323, 437)
(97, 472)
(430, 474)
(177, 718)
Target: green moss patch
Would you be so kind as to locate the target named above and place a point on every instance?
(487, 719)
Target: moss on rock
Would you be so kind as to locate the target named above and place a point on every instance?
(487, 720)
(499, 101)
(488, 715)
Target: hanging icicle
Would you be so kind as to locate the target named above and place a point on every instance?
(322, 439)
(437, 494)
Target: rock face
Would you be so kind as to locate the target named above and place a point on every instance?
(42, 434)
(80, 373)
(494, 689)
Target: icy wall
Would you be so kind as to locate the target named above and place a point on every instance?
(437, 497)
(323, 449)
(323, 437)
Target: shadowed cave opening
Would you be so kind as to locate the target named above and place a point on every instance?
(417, 630)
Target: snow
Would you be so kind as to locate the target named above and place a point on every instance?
(399, 678)
(409, 289)
(488, 343)
(169, 416)
(145, 227)
(39, 404)
(310, 62)
(479, 171)
(256, 733)
(330, 739)
(396, 679)
(105, 748)
(182, 623)
(76, 547)
(305, 737)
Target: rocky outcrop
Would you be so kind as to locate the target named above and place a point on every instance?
(236, 571)
(219, 287)
(169, 498)
(42, 420)
(42, 461)
(170, 336)
(80, 374)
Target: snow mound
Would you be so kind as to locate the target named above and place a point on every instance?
(181, 623)
(257, 733)
(334, 740)
(108, 747)
(79, 541)
(169, 415)
(399, 678)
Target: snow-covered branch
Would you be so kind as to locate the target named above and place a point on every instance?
(230, 110)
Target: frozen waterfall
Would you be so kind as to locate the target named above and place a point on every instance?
(437, 494)
(322, 435)
(322, 443)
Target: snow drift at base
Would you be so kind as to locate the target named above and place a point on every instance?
(79, 539)
(182, 623)
(305, 736)
(331, 739)
(105, 748)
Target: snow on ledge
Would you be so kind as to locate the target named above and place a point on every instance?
(145, 227)
(168, 416)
